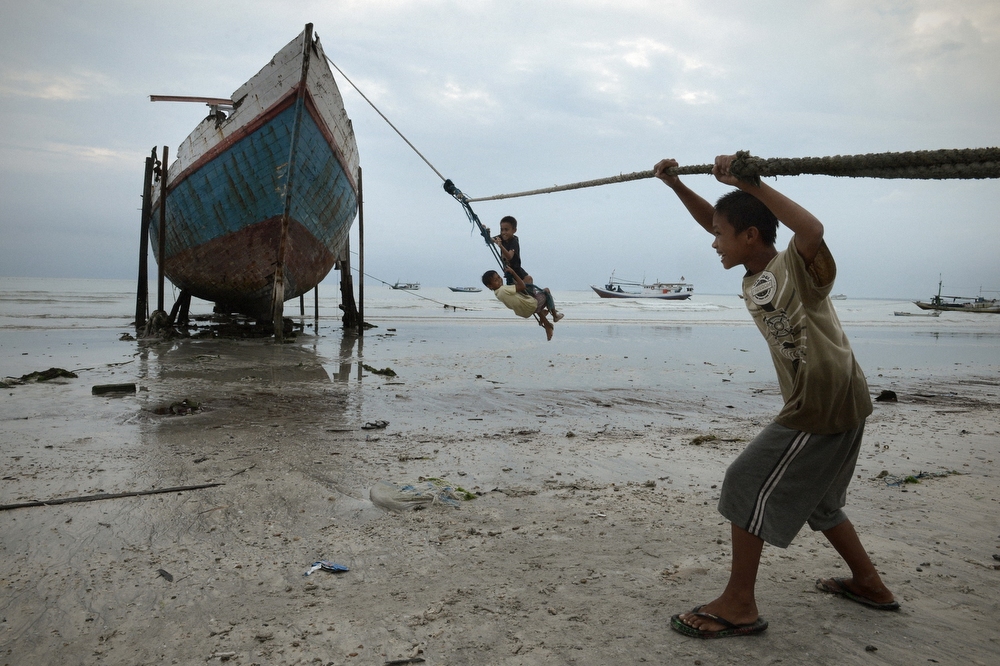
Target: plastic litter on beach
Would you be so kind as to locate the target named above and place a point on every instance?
(326, 565)
(375, 425)
(417, 495)
(914, 478)
(385, 372)
(42, 376)
(180, 408)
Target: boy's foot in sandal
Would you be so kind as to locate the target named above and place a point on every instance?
(840, 587)
(725, 630)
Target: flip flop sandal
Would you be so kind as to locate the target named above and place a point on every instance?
(840, 589)
(730, 629)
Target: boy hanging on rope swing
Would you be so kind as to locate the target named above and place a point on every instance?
(524, 299)
(510, 248)
(797, 469)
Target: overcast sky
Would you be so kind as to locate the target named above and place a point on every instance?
(507, 96)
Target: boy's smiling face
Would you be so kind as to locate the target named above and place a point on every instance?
(495, 282)
(506, 230)
(731, 245)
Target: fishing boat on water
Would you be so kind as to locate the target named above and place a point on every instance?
(668, 291)
(466, 290)
(409, 286)
(262, 195)
(960, 303)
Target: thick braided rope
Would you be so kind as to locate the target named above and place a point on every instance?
(967, 163)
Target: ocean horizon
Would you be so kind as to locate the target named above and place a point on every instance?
(76, 322)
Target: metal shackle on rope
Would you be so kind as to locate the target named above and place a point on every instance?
(459, 196)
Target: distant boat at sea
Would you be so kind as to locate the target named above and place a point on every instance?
(263, 193)
(409, 286)
(960, 303)
(669, 291)
(466, 290)
(838, 297)
(936, 313)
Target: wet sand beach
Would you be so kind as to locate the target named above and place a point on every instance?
(595, 460)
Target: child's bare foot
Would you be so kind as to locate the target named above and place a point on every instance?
(548, 330)
(557, 316)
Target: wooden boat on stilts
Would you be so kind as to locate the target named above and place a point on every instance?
(262, 195)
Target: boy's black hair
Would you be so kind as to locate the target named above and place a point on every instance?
(486, 277)
(743, 210)
(510, 219)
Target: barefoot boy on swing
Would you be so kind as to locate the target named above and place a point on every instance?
(797, 470)
(524, 299)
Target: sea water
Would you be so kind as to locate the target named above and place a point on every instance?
(48, 322)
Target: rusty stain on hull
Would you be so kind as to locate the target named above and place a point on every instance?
(240, 267)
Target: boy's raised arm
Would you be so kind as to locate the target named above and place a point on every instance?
(504, 252)
(807, 228)
(700, 210)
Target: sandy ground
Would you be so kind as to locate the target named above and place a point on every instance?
(595, 520)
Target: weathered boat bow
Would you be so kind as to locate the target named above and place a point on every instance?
(262, 195)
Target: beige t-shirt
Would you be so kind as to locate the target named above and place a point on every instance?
(824, 389)
(522, 304)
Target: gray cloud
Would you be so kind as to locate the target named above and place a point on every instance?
(507, 96)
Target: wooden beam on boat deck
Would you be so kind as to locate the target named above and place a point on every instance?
(211, 101)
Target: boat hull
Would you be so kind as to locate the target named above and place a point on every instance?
(936, 313)
(607, 293)
(228, 193)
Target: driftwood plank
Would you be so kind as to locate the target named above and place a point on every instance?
(102, 389)
(104, 496)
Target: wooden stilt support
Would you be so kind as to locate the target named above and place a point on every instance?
(183, 315)
(163, 230)
(179, 313)
(316, 308)
(347, 303)
(361, 256)
(142, 285)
